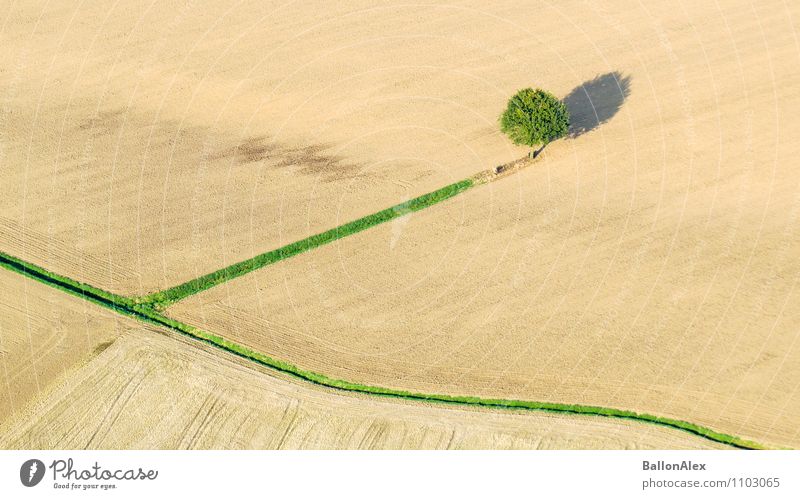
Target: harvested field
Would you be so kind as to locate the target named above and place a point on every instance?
(45, 335)
(150, 316)
(150, 391)
(650, 263)
(149, 143)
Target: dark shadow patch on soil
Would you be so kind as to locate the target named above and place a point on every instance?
(251, 150)
(203, 144)
(102, 347)
(596, 101)
(125, 125)
(313, 160)
(103, 122)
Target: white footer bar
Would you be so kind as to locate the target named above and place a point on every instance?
(388, 474)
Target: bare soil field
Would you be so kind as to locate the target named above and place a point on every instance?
(649, 263)
(75, 375)
(45, 335)
(151, 391)
(147, 143)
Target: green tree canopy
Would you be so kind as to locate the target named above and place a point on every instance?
(534, 117)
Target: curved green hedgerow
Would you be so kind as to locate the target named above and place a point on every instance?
(162, 299)
(148, 314)
(64, 283)
(321, 379)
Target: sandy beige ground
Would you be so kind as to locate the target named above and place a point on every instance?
(650, 264)
(150, 391)
(146, 143)
(45, 335)
(75, 375)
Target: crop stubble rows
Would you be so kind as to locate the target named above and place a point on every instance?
(148, 308)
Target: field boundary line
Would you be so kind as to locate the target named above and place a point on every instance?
(147, 313)
(165, 298)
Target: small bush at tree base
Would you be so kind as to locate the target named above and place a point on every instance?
(534, 117)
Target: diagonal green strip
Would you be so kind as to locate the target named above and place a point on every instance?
(146, 313)
(162, 299)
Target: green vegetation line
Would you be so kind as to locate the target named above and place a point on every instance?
(148, 314)
(162, 299)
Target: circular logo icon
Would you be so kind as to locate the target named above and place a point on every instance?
(31, 472)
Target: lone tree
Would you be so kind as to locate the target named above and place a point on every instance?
(534, 118)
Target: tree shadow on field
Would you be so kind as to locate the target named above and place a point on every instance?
(596, 101)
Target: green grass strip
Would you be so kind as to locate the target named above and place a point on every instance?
(64, 283)
(162, 299)
(148, 314)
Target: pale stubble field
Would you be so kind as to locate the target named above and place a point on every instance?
(78, 376)
(648, 264)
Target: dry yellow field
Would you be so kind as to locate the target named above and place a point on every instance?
(77, 376)
(148, 391)
(147, 143)
(45, 335)
(650, 264)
